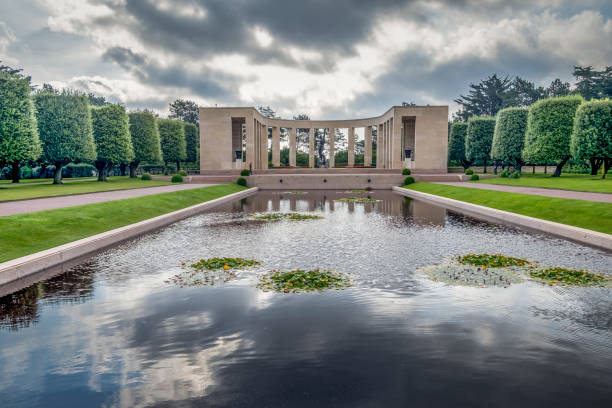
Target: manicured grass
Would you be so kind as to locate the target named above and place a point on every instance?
(576, 182)
(25, 234)
(580, 213)
(45, 180)
(9, 192)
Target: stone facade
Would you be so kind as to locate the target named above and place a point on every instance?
(407, 136)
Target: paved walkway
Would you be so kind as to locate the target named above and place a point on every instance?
(50, 203)
(546, 192)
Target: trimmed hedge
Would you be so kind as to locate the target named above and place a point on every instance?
(456, 143)
(241, 181)
(509, 135)
(146, 177)
(550, 124)
(177, 178)
(474, 177)
(408, 180)
(592, 134)
(479, 138)
(406, 172)
(245, 172)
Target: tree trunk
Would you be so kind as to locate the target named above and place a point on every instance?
(15, 167)
(557, 172)
(466, 164)
(545, 168)
(133, 168)
(518, 164)
(485, 166)
(102, 167)
(165, 169)
(43, 170)
(123, 168)
(57, 174)
(495, 168)
(533, 169)
(178, 166)
(606, 166)
(595, 165)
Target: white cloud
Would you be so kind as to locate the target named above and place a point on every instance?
(7, 37)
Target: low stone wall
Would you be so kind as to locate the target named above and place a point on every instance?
(65, 256)
(581, 235)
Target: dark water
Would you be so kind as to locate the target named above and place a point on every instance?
(113, 333)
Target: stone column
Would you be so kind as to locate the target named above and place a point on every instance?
(367, 154)
(264, 146)
(388, 145)
(332, 147)
(379, 133)
(250, 143)
(276, 146)
(311, 160)
(292, 138)
(351, 146)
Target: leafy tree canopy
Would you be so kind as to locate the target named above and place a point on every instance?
(145, 136)
(111, 134)
(172, 137)
(185, 110)
(191, 142)
(509, 135)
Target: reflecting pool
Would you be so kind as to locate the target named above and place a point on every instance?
(113, 332)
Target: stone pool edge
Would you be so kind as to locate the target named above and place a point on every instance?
(54, 258)
(576, 234)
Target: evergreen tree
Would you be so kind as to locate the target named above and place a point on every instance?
(185, 110)
(509, 136)
(592, 135)
(191, 142)
(112, 137)
(558, 88)
(479, 138)
(145, 139)
(172, 137)
(456, 145)
(486, 98)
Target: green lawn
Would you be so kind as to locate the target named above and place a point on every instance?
(25, 234)
(580, 213)
(576, 182)
(20, 191)
(46, 180)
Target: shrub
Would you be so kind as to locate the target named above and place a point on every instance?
(550, 123)
(516, 174)
(182, 173)
(474, 177)
(146, 176)
(408, 180)
(177, 178)
(504, 174)
(406, 172)
(241, 181)
(245, 172)
(456, 144)
(509, 135)
(469, 172)
(479, 138)
(592, 135)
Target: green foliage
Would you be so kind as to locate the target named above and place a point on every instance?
(474, 177)
(299, 280)
(146, 177)
(182, 173)
(241, 181)
(456, 144)
(191, 142)
(172, 136)
(592, 135)
(112, 137)
(286, 216)
(145, 137)
(64, 125)
(405, 172)
(593, 84)
(224, 263)
(491, 261)
(469, 172)
(509, 135)
(573, 277)
(504, 174)
(550, 123)
(408, 180)
(177, 178)
(245, 173)
(185, 110)
(78, 170)
(479, 138)
(516, 174)
(19, 141)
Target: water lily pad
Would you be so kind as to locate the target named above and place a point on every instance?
(491, 261)
(286, 216)
(299, 280)
(223, 263)
(458, 274)
(572, 277)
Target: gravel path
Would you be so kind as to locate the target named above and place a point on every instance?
(50, 203)
(546, 192)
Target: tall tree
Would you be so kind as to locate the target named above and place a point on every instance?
(64, 125)
(185, 110)
(558, 88)
(479, 138)
(172, 136)
(524, 93)
(592, 135)
(509, 136)
(112, 137)
(550, 123)
(191, 142)
(486, 98)
(19, 141)
(456, 145)
(97, 100)
(145, 139)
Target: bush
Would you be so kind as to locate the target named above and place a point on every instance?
(516, 174)
(146, 176)
(408, 180)
(241, 181)
(474, 177)
(245, 172)
(177, 178)
(509, 135)
(182, 173)
(504, 174)
(405, 172)
(469, 172)
(550, 123)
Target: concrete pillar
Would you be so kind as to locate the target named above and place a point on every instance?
(276, 146)
(264, 146)
(367, 155)
(351, 146)
(250, 143)
(311, 160)
(292, 139)
(379, 146)
(332, 147)
(396, 155)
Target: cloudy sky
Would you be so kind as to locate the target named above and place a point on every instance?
(330, 59)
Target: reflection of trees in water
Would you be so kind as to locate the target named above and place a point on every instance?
(20, 309)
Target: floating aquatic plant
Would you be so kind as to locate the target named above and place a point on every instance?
(456, 273)
(286, 216)
(210, 272)
(491, 261)
(223, 263)
(574, 277)
(356, 200)
(299, 280)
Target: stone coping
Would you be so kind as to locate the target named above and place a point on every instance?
(576, 234)
(65, 256)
